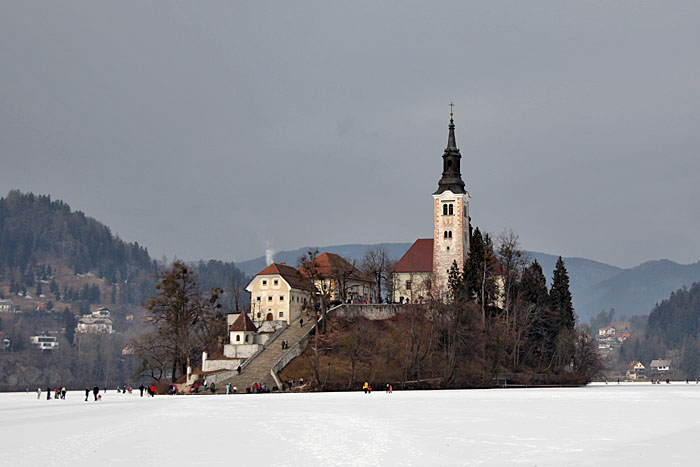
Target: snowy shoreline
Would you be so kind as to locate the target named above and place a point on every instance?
(597, 425)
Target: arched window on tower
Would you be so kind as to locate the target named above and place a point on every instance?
(449, 234)
(451, 209)
(445, 233)
(444, 209)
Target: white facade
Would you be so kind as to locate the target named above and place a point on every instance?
(411, 287)
(450, 235)
(273, 299)
(94, 325)
(44, 342)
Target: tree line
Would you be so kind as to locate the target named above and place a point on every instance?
(672, 331)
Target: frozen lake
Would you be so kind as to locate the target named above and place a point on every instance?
(600, 425)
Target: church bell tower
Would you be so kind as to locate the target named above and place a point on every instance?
(451, 216)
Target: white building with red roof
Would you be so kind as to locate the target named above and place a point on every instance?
(413, 273)
(278, 293)
(342, 280)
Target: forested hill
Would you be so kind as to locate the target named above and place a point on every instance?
(34, 230)
(48, 252)
(678, 317)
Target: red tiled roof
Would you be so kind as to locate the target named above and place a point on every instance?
(289, 274)
(418, 258)
(327, 265)
(243, 323)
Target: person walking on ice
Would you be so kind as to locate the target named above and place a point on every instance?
(38, 393)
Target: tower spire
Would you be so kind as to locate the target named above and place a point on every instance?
(451, 140)
(451, 176)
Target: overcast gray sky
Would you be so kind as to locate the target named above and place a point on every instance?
(217, 129)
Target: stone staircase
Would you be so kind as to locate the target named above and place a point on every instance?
(258, 370)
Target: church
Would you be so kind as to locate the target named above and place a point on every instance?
(423, 269)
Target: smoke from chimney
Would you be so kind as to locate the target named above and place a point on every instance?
(269, 256)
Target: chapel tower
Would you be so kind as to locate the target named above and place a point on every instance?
(451, 216)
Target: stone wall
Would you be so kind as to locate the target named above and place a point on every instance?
(213, 365)
(371, 312)
(240, 350)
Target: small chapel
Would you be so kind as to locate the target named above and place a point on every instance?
(423, 270)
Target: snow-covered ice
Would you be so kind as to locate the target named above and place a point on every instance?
(600, 425)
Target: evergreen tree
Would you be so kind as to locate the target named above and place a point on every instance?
(533, 285)
(456, 284)
(479, 278)
(560, 297)
(39, 290)
(69, 323)
(541, 338)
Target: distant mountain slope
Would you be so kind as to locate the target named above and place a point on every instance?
(351, 252)
(637, 290)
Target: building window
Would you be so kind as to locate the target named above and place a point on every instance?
(408, 285)
(269, 299)
(449, 234)
(258, 298)
(451, 209)
(281, 298)
(444, 209)
(246, 339)
(264, 282)
(281, 314)
(277, 282)
(238, 338)
(259, 315)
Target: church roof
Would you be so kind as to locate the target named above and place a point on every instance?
(243, 323)
(328, 265)
(418, 258)
(289, 274)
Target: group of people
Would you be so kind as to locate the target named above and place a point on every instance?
(256, 388)
(151, 390)
(57, 393)
(367, 388)
(95, 392)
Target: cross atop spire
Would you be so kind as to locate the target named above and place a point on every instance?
(451, 140)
